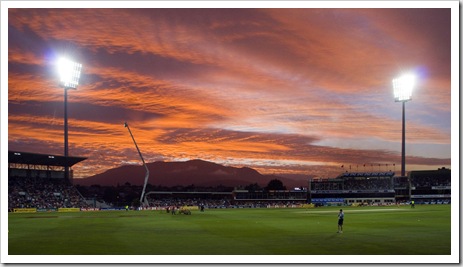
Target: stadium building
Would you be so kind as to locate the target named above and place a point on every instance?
(32, 165)
(38, 181)
(355, 188)
(382, 188)
(429, 187)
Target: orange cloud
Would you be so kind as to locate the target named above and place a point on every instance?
(271, 88)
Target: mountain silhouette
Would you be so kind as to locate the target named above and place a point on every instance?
(196, 172)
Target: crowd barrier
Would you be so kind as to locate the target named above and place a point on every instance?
(68, 209)
(25, 210)
(31, 210)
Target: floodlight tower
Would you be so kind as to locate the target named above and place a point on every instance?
(403, 87)
(69, 72)
(147, 173)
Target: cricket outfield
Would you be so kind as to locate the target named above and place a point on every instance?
(391, 230)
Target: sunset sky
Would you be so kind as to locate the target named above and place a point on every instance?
(281, 90)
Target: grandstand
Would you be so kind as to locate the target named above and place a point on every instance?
(356, 188)
(429, 187)
(382, 188)
(38, 181)
(31, 165)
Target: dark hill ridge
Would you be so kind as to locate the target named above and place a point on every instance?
(197, 172)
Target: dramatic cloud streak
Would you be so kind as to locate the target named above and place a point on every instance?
(280, 90)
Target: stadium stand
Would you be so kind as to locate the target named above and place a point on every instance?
(42, 193)
(382, 188)
(37, 181)
(356, 188)
(429, 187)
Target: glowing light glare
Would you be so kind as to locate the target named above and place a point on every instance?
(403, 87)
(69, 72)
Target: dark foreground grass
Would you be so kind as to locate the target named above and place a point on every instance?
(393, 230)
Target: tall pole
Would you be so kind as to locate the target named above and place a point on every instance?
(403, 139)
(66, 149)
(70, 74)
(403, 87)
(147, 172)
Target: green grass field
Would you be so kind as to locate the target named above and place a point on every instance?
(393, 230)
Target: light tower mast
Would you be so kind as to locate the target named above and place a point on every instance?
(126, 125)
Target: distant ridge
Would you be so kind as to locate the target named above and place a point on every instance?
(197, 172)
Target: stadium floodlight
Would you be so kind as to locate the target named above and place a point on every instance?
(147, 173)
(69, 72)
(403, 87)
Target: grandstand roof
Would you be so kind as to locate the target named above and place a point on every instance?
(41, 159)
(367, 174)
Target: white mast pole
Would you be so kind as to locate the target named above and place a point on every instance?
(144, 164)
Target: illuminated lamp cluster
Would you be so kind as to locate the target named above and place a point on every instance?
(69, 72)
(403, 87)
